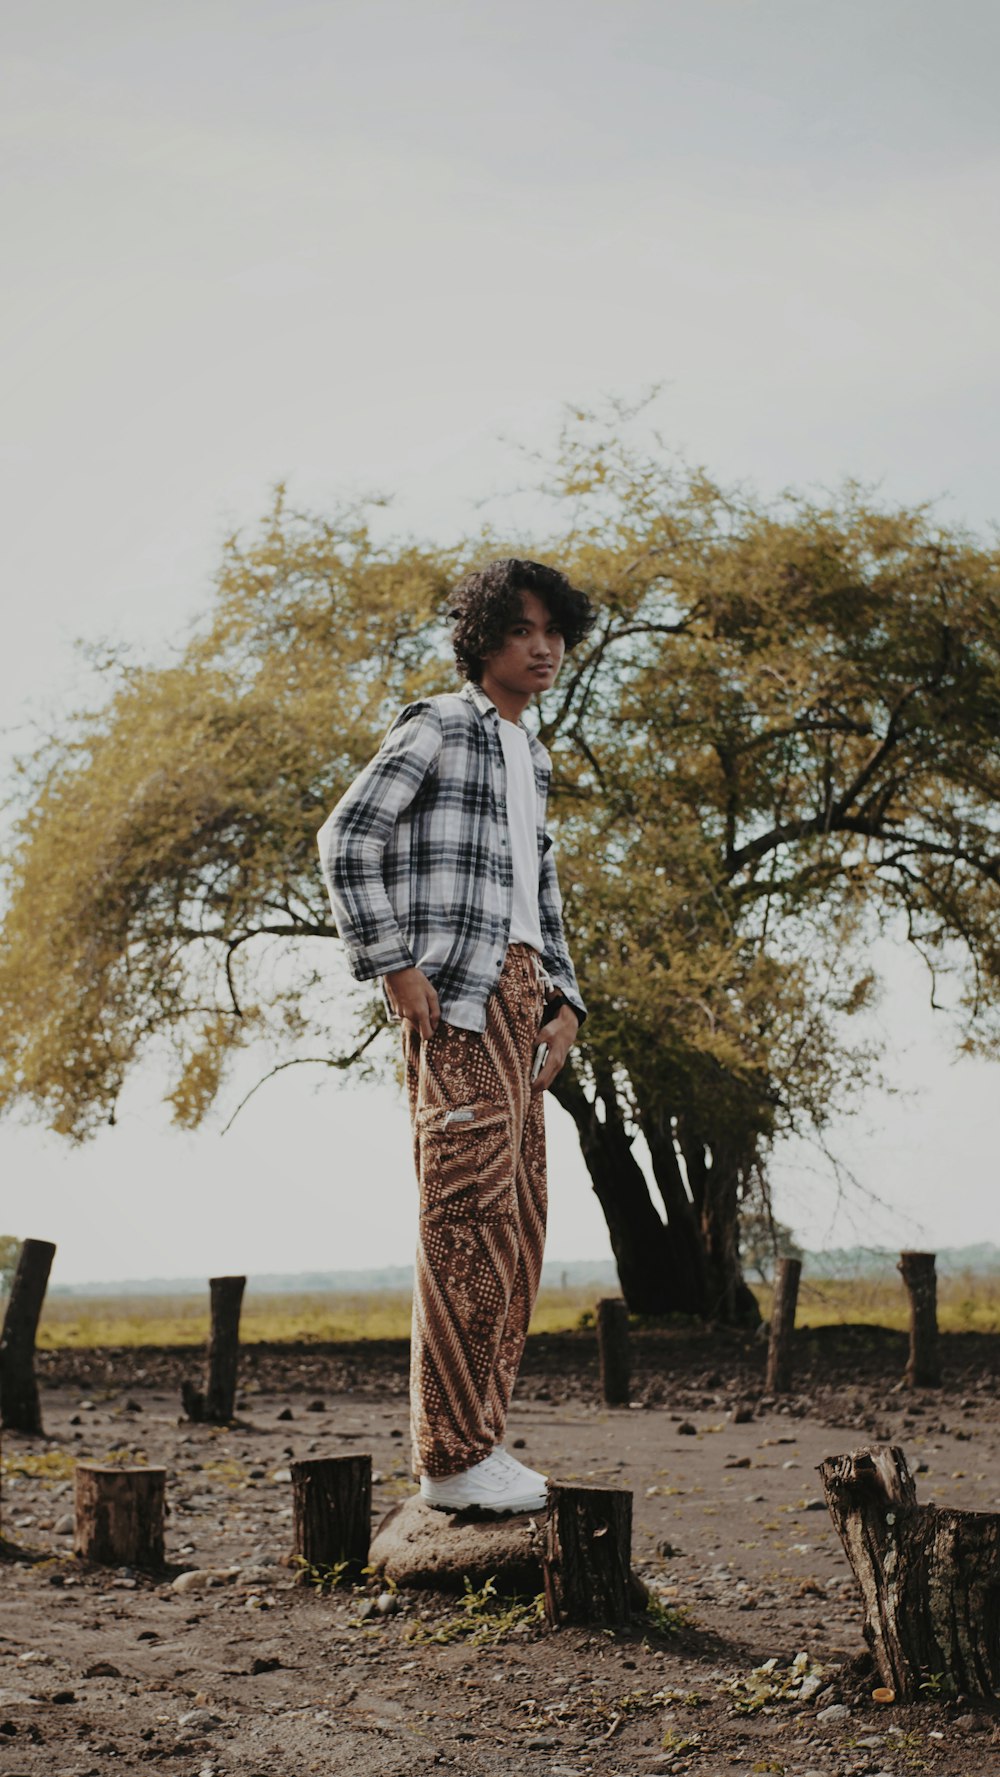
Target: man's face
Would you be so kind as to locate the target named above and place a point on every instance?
(531, 655)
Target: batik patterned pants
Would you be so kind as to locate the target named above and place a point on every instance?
(479, 1149)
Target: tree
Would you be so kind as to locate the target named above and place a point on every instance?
(781, 735)
(10, 1252)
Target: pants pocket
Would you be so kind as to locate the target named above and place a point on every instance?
(466, 1163)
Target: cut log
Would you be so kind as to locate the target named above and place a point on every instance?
(332, 1511)
(119, 1515)
(779, 1349)
(613, 1347)
(924, 1367)
(414, 1545)
(19, 1405)
(929, 1577)
(587, 1558)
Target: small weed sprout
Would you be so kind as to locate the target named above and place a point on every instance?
(480, 1624)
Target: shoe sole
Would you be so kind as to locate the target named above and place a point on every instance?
(481, 1508)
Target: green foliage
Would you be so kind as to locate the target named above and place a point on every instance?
(482, 1620)
(10, 1252)
(666, 1619)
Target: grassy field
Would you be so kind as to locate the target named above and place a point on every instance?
(965, 1304)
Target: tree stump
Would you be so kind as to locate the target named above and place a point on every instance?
(217, 1404)
(929, 1577)
(119, 1514)
(332, 1509)
(924, 1367)
(19, 1405)
(587, 1558)
(613, 1349)
(779, 1349)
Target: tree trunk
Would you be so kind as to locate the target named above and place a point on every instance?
(653, 1276)
(332, 1507)
(119, 1515)
(587, 1562)
(929, 1578)
(223, 1348)
(19, 1404)
(924, 1367)
(779, 1350)
(613, 1348)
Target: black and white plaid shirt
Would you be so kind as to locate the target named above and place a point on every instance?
(417, 857)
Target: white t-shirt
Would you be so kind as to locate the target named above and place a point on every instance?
(522, 821)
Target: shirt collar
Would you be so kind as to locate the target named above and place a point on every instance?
(475, 695)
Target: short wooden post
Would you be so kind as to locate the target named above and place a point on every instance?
(920, 1280)
(613, 1347)
(587, 1558)
(119, 1514)
(779, 1349)
(929, 1577)
(332, 1510)
(19, 1404)
(223, 1347)
(218, 1403)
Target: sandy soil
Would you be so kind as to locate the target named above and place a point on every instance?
(104, 1671)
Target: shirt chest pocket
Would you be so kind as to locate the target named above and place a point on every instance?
(466, 1163)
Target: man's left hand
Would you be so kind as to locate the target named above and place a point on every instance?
(560, 1034)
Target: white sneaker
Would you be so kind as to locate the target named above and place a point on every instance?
(497, 1484)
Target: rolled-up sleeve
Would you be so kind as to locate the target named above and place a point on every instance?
(353, 838)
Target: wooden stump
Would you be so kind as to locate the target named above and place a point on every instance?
(332, 1507)
(929, 1577)
(119, 1514)
(217, 1404)
(613, 1348)
(587, 1559)
(779, 1350)
(19, 1405)
(924, 1367)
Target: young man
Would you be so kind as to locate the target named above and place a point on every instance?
(442, 882)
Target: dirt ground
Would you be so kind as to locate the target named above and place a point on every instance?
(248, 1671)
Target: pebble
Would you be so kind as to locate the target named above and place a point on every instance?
(282, 1474)
(198, 1718)
(189, 1582)
(65, 1525)
(686, 1429)
(387, 1604)
(833, 1713)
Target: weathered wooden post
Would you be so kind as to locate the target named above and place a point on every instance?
(779, 1349)
(613, 1349)
(929, 1577)
(587, 1558)
(218, 1403)
(920, 1280)
(119, 1514)
(19, 1404)
(332, 1510)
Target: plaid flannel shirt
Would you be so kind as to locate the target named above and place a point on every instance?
(417, 858)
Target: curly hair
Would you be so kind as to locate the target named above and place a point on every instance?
(488, 601)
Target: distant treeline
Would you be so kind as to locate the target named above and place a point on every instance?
(835, 1262)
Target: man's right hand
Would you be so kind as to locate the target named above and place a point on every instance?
(415, 999)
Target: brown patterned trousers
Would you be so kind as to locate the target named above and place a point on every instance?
(479, 1150)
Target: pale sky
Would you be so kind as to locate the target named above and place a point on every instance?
(361, 246)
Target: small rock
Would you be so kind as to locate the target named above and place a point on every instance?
(396, 1433)
(198, 1718)
(65, 1525)
(737, 1462)
(814, 1505)
(791, 1463)
(387, 1604)
(833, 1713)
(63, 1697)
(264, 1665)
(518, 1443)
(256, 1474)
(541, 1743)
(102, 1669)
(685, 1430)
(189, 1582)
(282, 1474)
(286, 1413)
(742, 1413)
(316, 1407)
